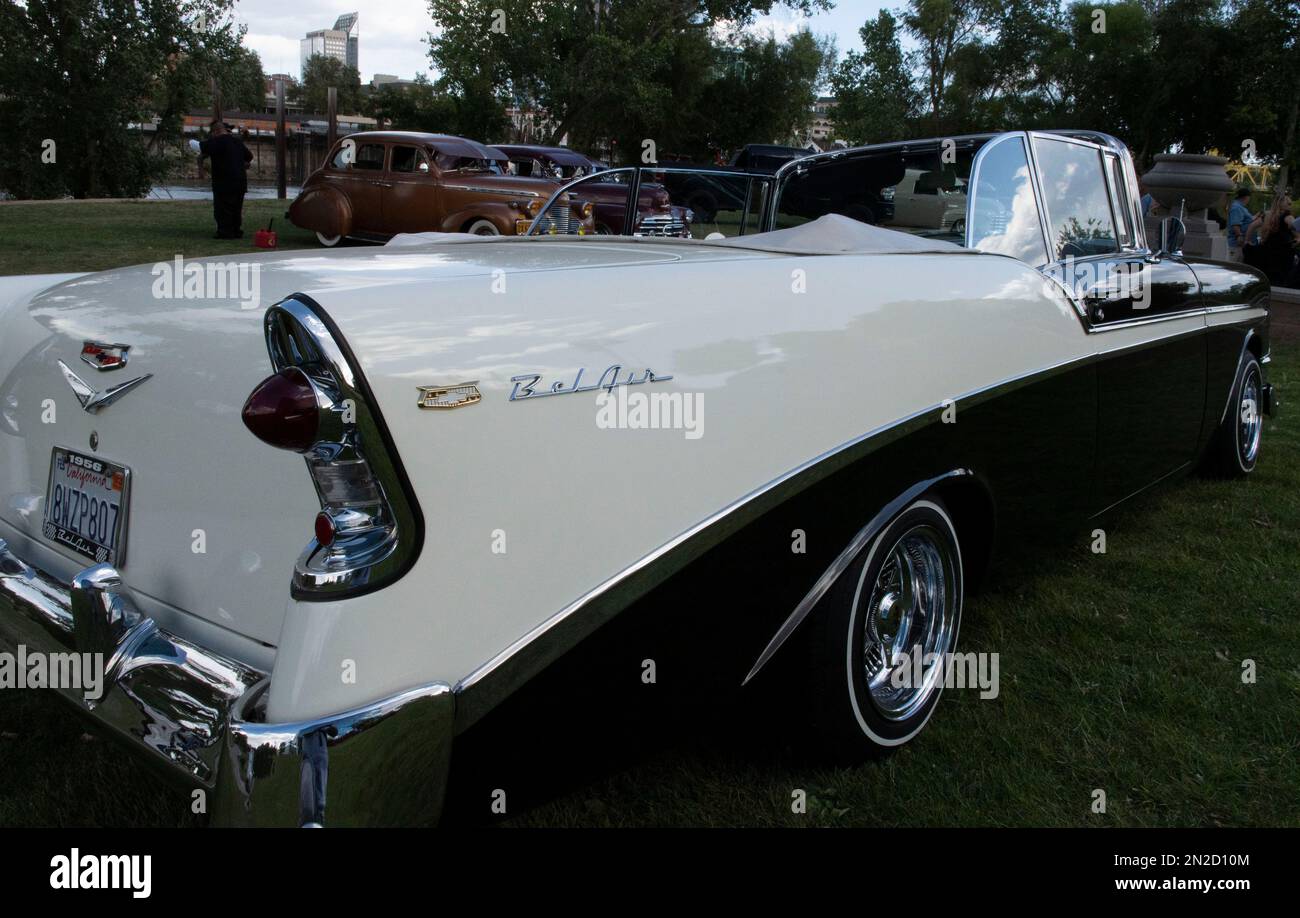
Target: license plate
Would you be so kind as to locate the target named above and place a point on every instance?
(86, 505)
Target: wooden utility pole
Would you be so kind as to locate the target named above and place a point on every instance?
(216, 102)
(332, 130)
(280, 191)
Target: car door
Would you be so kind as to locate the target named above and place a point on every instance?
(363, 180)
(411, 198)
(1142, 311)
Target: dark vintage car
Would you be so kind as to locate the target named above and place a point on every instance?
(376, 184)
(548, 162)
(658, 212)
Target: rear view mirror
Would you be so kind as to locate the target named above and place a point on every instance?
(424, 167)
(1172, 233)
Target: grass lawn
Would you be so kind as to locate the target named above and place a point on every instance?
(51, 237)
(1119, 671)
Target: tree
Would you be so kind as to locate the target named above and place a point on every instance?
(620, 70)
(421, 107)
(1266, 106)
(767, 94)
(875, 97)
(78, 74)
(1008, 75)
(318, 75)
(222, 57)
(941, 28)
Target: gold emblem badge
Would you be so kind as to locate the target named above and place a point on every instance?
(456, 396)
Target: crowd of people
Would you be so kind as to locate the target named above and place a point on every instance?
(1269, 240)
(1266, 240)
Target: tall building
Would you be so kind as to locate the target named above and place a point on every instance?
(349, 24)
(341, 42)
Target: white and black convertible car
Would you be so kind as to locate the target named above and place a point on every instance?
(318, 535)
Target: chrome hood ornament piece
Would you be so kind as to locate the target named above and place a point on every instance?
(444, 397)
(104, 356)
(90, 399)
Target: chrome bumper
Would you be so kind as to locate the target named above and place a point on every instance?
(197, 714)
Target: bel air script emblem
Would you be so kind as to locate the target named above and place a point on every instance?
(526, 385)
(435, 397)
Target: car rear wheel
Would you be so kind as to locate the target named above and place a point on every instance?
(1237, 442)
(328, 241)
(880, 644)
(483, 227)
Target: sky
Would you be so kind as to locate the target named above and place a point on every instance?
(393, 31)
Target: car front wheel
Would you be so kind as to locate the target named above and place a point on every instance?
(881, 643)
(1235, 450)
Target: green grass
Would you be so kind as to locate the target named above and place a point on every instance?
(64, 236)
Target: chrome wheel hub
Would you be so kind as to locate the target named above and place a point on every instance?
(1250, 423)
(909, 623)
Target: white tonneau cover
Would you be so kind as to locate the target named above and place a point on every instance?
(831, 234)
(834, 234)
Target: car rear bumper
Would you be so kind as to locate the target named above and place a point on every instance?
(196, 713)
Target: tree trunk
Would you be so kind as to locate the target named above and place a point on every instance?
(1288, 145)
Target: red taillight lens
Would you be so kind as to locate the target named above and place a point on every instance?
(324, 529)
(282, 411)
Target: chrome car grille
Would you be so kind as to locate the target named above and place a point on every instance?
(661, 225)
(557, 221)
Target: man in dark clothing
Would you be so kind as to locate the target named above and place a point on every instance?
(230, 159)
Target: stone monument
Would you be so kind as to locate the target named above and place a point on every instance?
(1186, 185)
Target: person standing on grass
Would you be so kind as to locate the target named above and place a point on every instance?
(230, 159)
(1239, 220)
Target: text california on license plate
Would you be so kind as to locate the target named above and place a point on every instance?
(86, 505)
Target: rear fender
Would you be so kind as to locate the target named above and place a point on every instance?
(322, 209)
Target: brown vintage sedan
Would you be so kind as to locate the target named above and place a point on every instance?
(376, 184)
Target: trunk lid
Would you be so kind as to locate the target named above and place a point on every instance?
(214, 517)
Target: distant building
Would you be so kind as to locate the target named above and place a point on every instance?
(343, 42)
(388, 79)
(349, 24)
(821, 129)
(530, 125)
(290, 85)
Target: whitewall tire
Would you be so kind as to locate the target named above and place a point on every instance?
(879, 643)
(483, 227)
